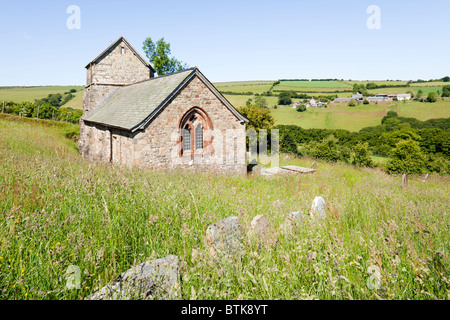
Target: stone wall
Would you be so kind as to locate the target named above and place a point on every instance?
(115, 67)
(157, 145)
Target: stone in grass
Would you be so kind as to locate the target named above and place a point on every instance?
(318, 208)
(314, 165)
(151, 280)
(225, 236)
(260, 226)
(258, 170)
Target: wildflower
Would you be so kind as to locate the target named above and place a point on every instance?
(85, 288)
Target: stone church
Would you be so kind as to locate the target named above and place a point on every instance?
(132, 118)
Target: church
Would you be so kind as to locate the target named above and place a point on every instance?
(180, 120)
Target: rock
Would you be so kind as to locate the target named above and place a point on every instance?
(225, 235)
(260, 226)
(258, 169)
(314, 165)
(155, 279)
(298, 169)
(276, 170)
(318, 208)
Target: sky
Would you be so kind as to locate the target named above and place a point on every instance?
(230, 40)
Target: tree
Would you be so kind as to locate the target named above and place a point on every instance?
(419, 94)
(406, 157)
(284, 98)
(446, 91)
(301, 108)
(261, 101)
(361, 157)
(431, 97)
(260, 118)
(158, 55)
(446, 79)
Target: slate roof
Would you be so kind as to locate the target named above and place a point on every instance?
(131, 107)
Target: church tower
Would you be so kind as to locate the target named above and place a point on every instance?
(118, 65)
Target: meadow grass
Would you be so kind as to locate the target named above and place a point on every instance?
(30, 94)
(57, 209)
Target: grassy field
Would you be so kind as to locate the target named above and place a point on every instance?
(57, 209)
(244, 86)
(358, 117)
(22, 94)
(312, 84)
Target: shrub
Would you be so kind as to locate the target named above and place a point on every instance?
(301, 108)
(366, 101)
(406, 157)
(361, 156)
(328, 149)
(431, 97)
(351, 103)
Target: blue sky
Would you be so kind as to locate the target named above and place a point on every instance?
(231, 40)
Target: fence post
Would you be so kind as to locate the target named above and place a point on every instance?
(23, 111)
(37, 116)
(67, 118)
(3, 108)
(53, 113)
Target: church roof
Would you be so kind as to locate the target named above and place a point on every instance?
(131, 107)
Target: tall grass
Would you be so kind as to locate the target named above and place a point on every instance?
(58, 210)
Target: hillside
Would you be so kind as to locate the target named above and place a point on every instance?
(30, 94)
(336, 117)
(57, 209)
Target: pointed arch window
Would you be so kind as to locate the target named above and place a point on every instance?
(199, 137)
(195, 128)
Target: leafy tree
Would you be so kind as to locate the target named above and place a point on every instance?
(284, 98)
(361, 157)
(261, 101)
(419, 94)
(365, 101)
(446, 79)
(301, 108)
(446, 91)
(260, 118)
(351, 103)
(158, 55)
(406, 157)
(431, 97)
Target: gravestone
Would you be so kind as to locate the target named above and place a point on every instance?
(260, 226)
(155, 279)
(225, 236)
(404, 181)
(318, 208)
